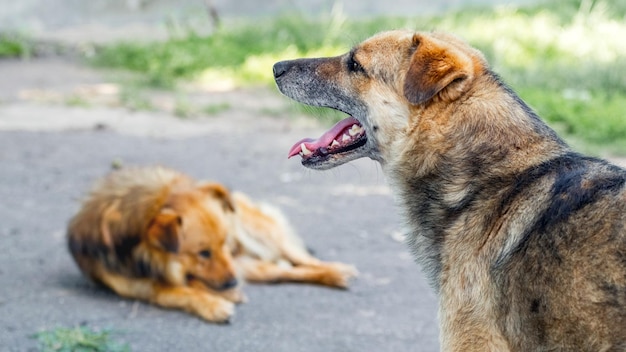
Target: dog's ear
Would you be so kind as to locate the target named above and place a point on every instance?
(219, 192)
(164, 230)
(436, 67)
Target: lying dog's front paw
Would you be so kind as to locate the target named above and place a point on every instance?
(235, 295)
(216, 309)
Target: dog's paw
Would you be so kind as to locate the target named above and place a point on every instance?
(349, 270)
(235, 295)
(341, 274)
(216, 309)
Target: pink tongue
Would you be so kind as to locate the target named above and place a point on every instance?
(325, 140)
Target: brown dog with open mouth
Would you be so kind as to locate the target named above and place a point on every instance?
(155, 234)
(523, 239)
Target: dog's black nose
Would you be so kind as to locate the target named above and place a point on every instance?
(229, 284)
(280, 68)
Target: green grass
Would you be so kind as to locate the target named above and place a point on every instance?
(241, 51)
(14, 45)
(566, 58)
(80, 339)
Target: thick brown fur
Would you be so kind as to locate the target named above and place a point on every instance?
(523, 239)
(155, 234)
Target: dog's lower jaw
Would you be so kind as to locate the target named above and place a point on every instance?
(329, 161)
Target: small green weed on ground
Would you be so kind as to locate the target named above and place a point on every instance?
(80, 339)
(14, 45)
(566, 58)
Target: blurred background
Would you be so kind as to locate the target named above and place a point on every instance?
(567, 58)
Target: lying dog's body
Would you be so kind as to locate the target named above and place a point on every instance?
(157, 235)
(524, 240)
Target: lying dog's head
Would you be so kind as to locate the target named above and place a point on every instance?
(193, 228)
(379, 83)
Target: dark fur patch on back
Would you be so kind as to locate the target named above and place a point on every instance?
(86, 248)
(118, 259)
(576, 186)
(124, 248)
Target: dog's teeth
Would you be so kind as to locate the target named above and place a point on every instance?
(334, 143)
(305, 151)
(354, 130)
(345, 138)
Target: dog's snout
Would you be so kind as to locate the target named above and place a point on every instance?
(280, 68)
(229, 284)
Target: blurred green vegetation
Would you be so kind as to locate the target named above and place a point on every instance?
(566, 58)
(79, 339)
(14, 45)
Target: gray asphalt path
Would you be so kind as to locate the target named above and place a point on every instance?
(344, 215)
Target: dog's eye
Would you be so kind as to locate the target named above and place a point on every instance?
(205, 253)
(353, 65)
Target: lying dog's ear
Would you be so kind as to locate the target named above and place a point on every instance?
(219, 192)
(436, 68)
(163, 232)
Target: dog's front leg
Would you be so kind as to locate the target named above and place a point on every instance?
(200, 302)
(197, 301)
(234, 295)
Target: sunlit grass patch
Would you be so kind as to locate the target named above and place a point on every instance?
(511, 37)
(237, 51)
(566, 58)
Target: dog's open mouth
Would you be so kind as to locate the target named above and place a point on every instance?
(343, 138)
